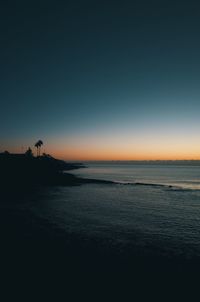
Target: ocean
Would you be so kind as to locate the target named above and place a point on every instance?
(146, 221)
(148, 210)
(154, 208)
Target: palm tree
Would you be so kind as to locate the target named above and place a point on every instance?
(38, 145)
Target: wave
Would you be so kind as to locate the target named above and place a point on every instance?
(176, 188)
(143, 184)
(194, 186)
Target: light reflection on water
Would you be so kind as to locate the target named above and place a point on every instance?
(156, 220)
(183, 176)
(118, 217)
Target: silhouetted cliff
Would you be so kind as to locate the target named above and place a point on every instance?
(23, 169)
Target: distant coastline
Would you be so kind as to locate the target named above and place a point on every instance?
(144, 162)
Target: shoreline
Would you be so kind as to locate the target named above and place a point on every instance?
(22, 172)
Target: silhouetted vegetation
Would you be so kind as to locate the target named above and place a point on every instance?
(38, 145)
(29, 152)
(25, 170)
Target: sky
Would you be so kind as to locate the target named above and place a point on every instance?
(101, 80)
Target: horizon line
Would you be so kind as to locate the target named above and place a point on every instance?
(131, 160)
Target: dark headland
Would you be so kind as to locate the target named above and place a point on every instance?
(22, 170)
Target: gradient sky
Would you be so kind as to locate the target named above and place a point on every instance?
(101, 79)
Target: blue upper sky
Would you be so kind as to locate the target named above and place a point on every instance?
(76, 71)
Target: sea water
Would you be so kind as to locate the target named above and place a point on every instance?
(179, 175)
(150, 208)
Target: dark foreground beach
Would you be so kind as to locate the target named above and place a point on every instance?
(40, 259)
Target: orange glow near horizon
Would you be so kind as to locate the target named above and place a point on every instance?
(118, 148)
(139, 152)
(87, 154)
(126, 156)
